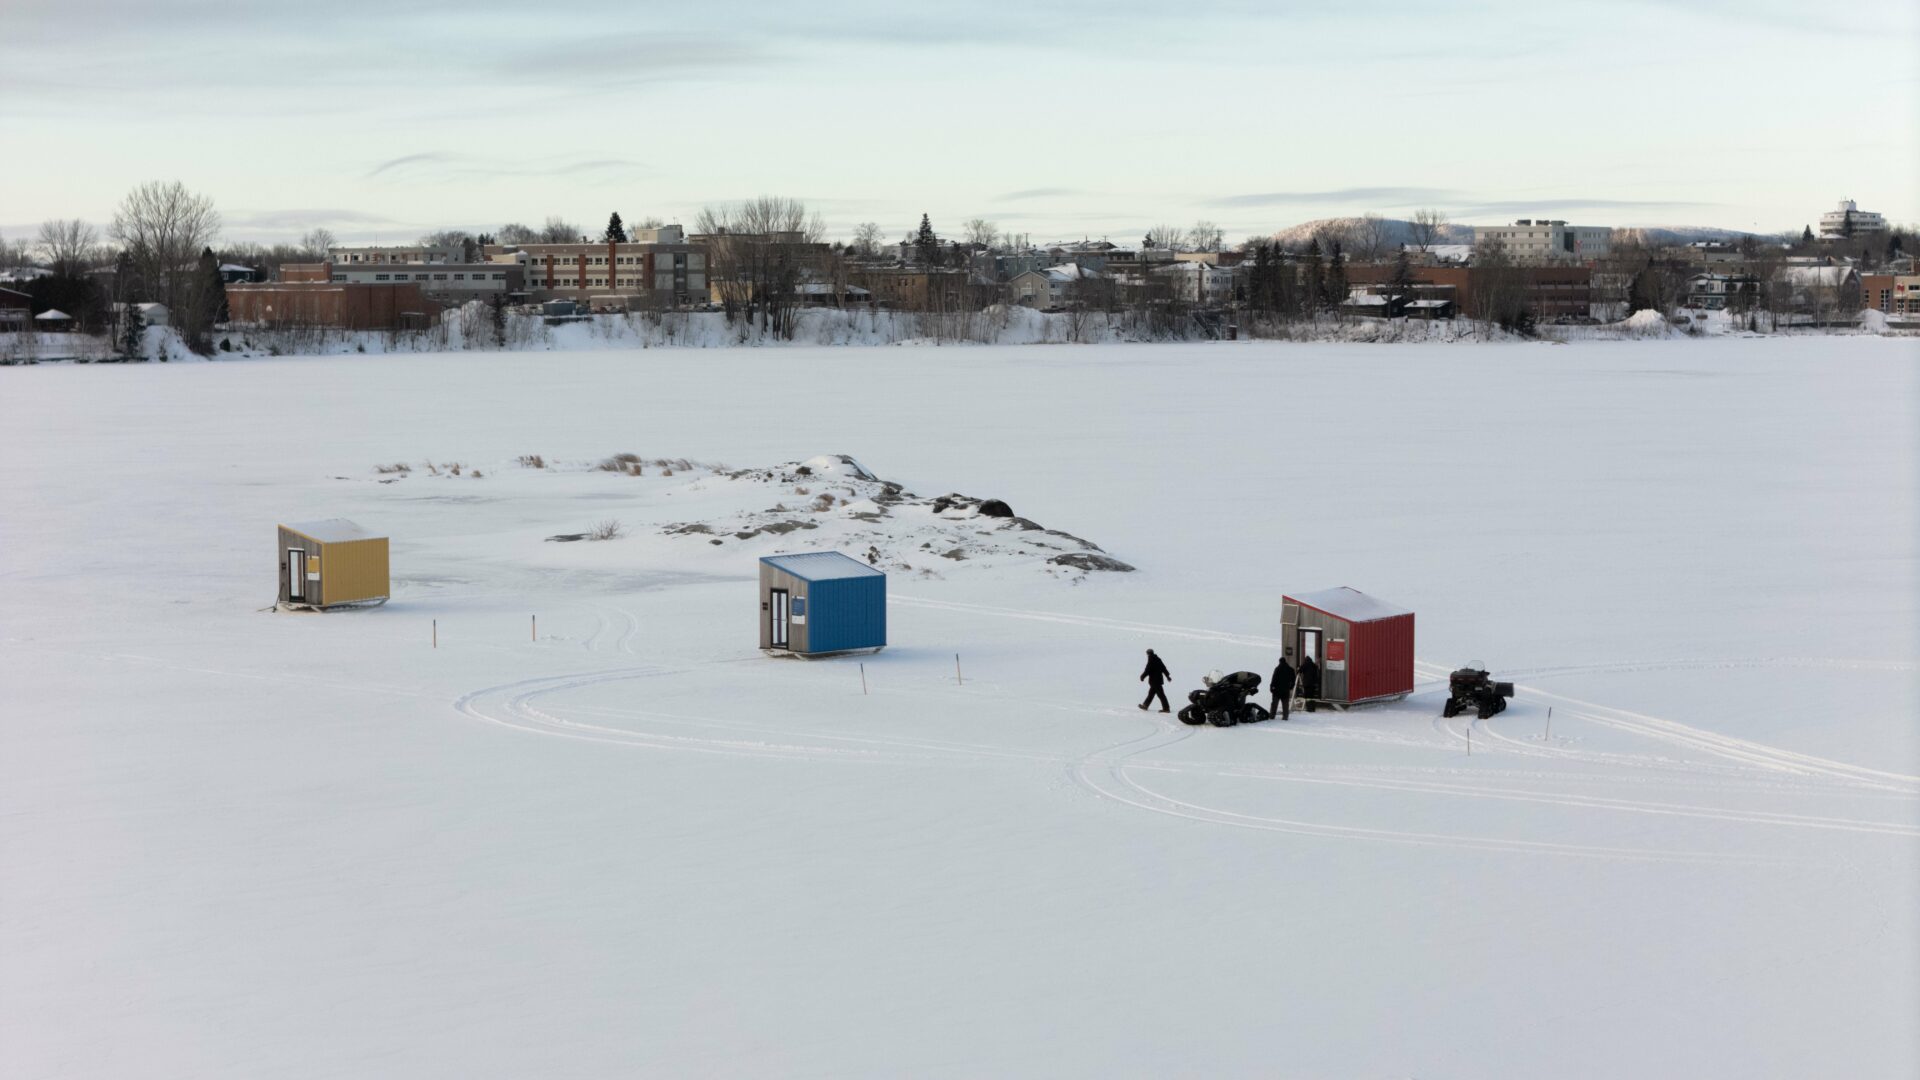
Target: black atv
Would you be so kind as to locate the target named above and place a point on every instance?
(1470, 688)
(1223, 702)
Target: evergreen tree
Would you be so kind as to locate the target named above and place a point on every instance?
(1316, 276)
(1336, 278)
(208, 304)
(616, 232)
(133, 332)
(926, 244)
(1806, 235)
(1401, 283)
(497, 319)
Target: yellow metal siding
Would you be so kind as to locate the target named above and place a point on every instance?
(353, 571)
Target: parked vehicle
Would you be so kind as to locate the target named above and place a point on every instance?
(1470, 688)
(1223, 702)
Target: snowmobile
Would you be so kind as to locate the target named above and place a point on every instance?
(1223, 702)
(1470, 688)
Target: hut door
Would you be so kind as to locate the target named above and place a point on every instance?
(777, 611)
(296, 574)
(1310, 644)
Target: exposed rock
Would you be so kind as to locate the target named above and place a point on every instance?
(566, 538)
(1080, 560)
(995, 508)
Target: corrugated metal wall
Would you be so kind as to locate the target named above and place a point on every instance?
(847, 613)
(1381, 659)
(354, 570)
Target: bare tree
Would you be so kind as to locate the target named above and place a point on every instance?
(317, 242)
(867, 239)
(1427, 226)
(68, 246)
(514, 234)
(1170, 237)
(558, 230)
(1206, 236)
(1372, 236)
(758, 253)
(164, 226)
(447, 238)
(981, 233)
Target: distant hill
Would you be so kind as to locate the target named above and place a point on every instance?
(1398, 231)
(1401, 232)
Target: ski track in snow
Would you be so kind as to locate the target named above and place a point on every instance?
(1107, 773)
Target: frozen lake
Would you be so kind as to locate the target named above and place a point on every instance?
(246, 844)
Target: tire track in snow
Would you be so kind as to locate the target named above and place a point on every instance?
(1740, 750)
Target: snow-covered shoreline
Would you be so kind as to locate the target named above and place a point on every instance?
(468, 330)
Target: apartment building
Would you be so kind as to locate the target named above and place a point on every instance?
(1537, 241)
(1848, 220)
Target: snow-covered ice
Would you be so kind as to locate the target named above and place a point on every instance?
(238, 843)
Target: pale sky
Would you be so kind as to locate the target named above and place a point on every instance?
(384, 120)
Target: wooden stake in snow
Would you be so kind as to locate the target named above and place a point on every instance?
(1469, 738)
(1549, 721)
(536, 626)
(436, 633)
(863, 678)
(956, 670)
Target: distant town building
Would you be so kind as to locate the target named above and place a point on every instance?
(337, 305)
(1848, 220)
(600, 274)
(1540, 241)
(1906, 296)
(1050, 288)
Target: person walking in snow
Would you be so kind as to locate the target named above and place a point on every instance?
(1282, 687)
(1309, 681)
(1155, 676)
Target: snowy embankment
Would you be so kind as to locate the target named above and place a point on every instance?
(439, 838)
(472, 329)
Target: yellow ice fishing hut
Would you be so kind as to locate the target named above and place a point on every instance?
(332, 563)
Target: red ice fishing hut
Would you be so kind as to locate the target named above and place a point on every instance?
(1364, 646)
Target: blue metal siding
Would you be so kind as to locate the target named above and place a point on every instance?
(846, 613)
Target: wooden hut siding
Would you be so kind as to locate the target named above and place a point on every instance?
(772, 578)
(309, 550)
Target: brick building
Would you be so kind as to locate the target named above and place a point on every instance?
(1553, 292)
(339, 305)
(601, 274)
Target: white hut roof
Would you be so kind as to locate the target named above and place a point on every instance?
(331, 531)
(821, 566)
(53, 315)
(1349, 604)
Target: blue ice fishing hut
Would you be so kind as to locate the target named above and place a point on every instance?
(820, 602)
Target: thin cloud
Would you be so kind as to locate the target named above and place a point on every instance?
(305, 218)
(1038, 193)
(1385, 196)
(442, 165)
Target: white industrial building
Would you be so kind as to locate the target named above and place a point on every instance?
(1849, 220)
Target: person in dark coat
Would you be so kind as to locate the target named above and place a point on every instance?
(1309, 681)
(1155, 677)
(1282, 687)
